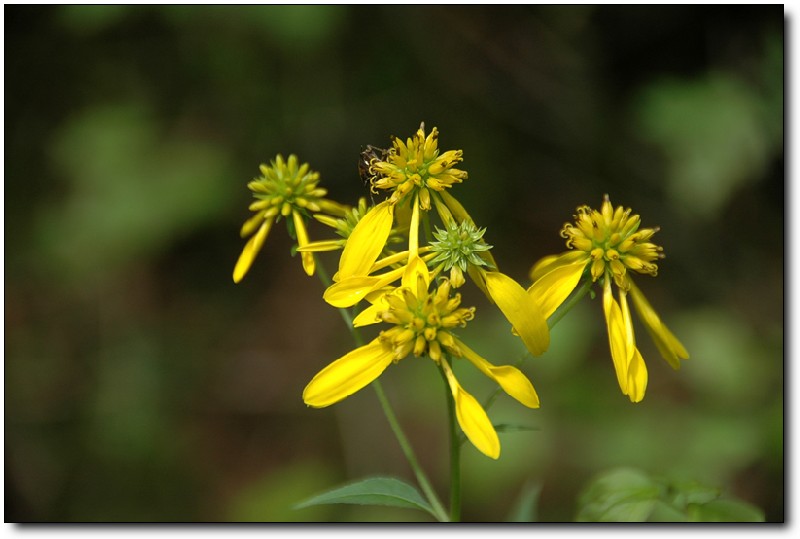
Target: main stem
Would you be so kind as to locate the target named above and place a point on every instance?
(455, 453)
(388, 411)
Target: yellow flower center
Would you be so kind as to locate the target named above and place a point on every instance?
(614, 242)
(416, 165)
(423, 320)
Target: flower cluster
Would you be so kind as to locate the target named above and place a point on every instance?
(610, 245)
(285, 188)
(412, 288)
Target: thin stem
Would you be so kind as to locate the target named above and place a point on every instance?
(408, 451)
(565, 307)
(422, 479)
(455, 453)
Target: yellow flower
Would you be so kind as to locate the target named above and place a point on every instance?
(416, 167)
(422, 324)
(285, 188)
(419, 175)
(610, 245)
(416, 173)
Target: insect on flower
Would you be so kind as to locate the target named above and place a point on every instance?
(365, 159)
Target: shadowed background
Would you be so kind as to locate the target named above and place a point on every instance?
(141, 384)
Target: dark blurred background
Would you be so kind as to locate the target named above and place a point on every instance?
(141, 384)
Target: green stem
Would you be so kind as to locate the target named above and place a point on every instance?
(388, 411)
(455, 453)
(565, 307)
(422, 479)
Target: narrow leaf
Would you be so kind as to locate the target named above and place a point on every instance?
(373, 491)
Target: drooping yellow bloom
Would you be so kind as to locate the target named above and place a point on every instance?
(285, 188)
(610, 245)
(422, 324)
(415, 172)
(418, 175)
(417, 167)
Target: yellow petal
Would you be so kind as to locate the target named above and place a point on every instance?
(302, 240)
(616, 337)
(366, 241)
(416, 268)
(413, 230)
(348, 292)
(555, 286)
(251, 249)
(521, 310)
(510, 378)
(320, 246)
(347, 375)
(455, 207)
(472, 418)
(251, 224)
(637, 377)
(668, 345)
(630, 340)
(551, 262)
(370, 314)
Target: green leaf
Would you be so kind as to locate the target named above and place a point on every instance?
(688, 492)
(663, 512)
(524, 509)
(725, 511)
(373, 491)
(621, 495)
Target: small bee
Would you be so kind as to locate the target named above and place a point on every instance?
(365, 161)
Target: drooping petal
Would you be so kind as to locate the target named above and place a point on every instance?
(616, 337)
(348, 292)
(321, 246)
(668, 345)
(637, 377)
(413, 229)
(366, 241)
(510, 378)
(251, 249)
(521, 309)
(555, 286)
(302, 241)
(415, 269)
(347, 374)
(252, 224)
(455, 207)
(551, 262)
(630, 339)
(472, 418)
(370, 314)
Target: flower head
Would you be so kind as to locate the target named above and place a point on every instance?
(285, 188)
(416, 167)
(458, 247)
(422, 323)
(608, 246)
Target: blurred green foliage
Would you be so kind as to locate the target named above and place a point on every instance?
(142, 385)
(628, 495)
